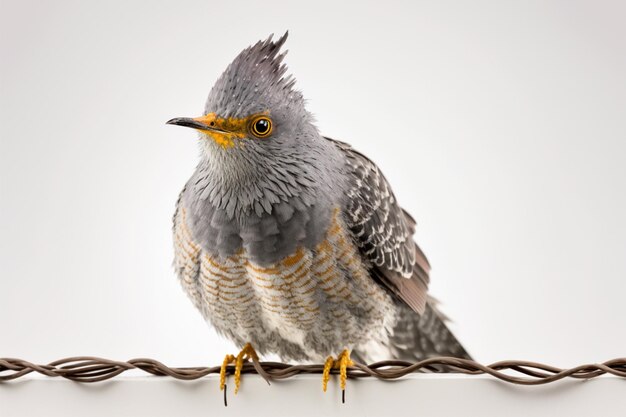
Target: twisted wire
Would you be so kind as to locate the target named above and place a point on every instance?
(92, 369)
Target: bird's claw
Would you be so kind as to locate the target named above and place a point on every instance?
(246, 353)
(342, 362)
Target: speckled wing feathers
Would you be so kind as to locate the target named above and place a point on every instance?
(384, 231)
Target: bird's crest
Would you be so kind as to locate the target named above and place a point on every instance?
(253, 82)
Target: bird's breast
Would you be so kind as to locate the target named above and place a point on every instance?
(324, 290)
(265, 238)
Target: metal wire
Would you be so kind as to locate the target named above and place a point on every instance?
(93, 369)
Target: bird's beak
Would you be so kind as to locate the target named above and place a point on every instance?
(199, 123)
(223, 131)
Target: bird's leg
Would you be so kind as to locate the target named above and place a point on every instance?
(342, 362)
(246, 353)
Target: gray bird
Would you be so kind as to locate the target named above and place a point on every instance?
(294, 242)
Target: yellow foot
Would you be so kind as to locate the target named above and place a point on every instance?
(246, 353)
(342, 362)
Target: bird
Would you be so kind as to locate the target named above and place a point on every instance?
(292, 243)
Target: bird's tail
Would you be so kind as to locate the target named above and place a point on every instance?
(417, 337)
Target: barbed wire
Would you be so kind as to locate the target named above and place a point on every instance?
(90, 369)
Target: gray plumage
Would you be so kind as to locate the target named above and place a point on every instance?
(296, 242)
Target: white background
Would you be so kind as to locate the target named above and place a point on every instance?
(501, 126)
(422, 395)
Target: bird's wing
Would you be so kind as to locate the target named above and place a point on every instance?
(383, 231)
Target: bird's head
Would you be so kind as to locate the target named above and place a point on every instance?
(252, 105)
(260, 147)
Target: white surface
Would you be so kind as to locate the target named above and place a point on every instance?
(500, 125)
(420, 395)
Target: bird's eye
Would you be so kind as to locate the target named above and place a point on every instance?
(261, 127)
